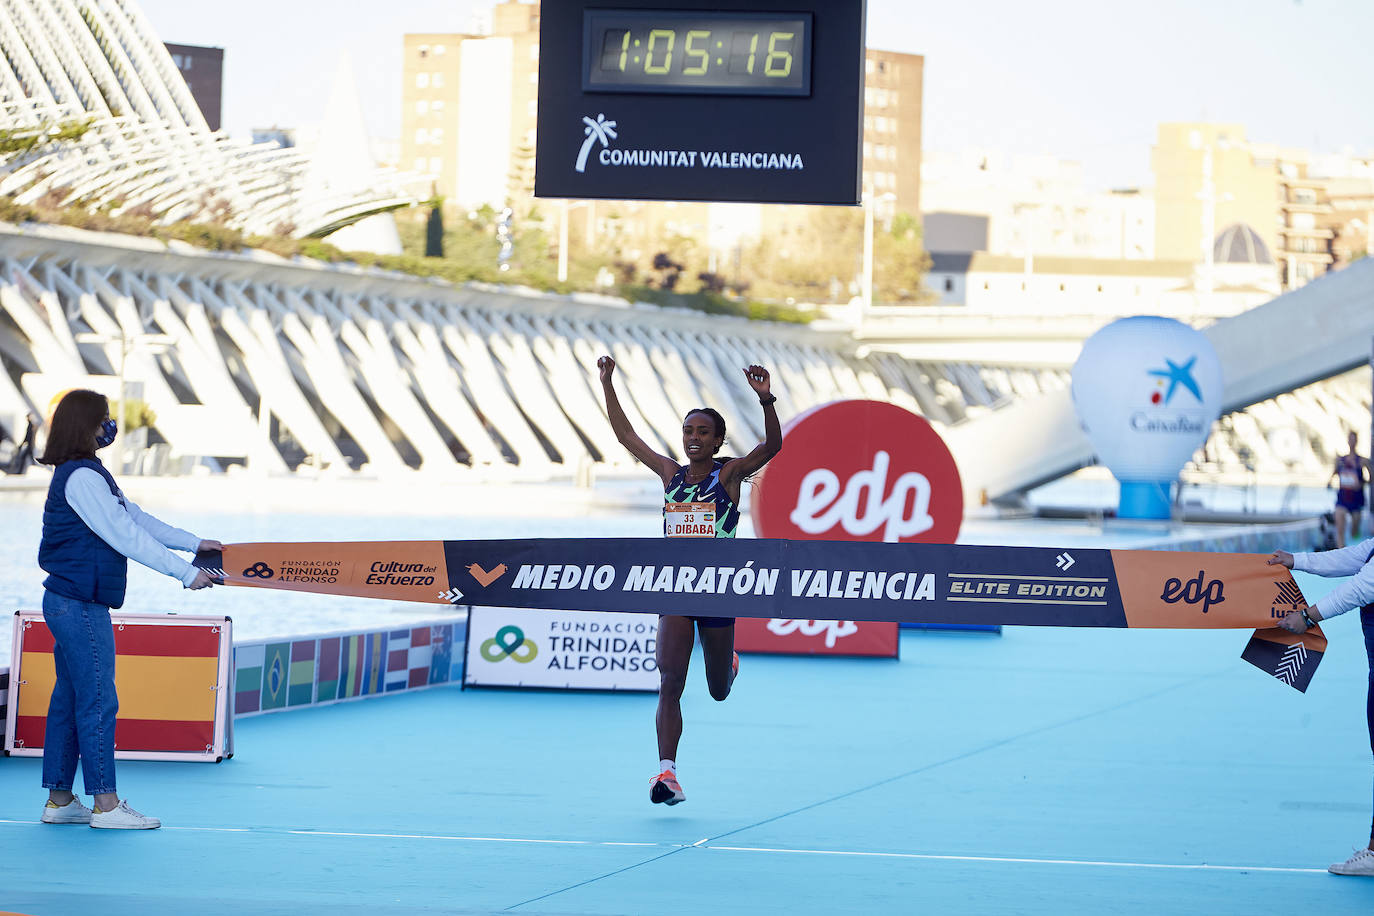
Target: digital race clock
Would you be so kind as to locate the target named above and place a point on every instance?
(731, 53)
(713, 100)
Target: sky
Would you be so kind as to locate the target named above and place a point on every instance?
(1084, 80)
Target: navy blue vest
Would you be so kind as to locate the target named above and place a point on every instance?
(79, 564)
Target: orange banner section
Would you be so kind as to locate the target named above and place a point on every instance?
(1175, 590)
(396, 570)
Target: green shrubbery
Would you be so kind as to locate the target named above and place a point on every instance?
(716, 304)
(470, 248)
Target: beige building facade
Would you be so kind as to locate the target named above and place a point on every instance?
(1312, 212)
(1029, 206)
(892, 127)
(469, 105)
(893, 86)
(1207, 178)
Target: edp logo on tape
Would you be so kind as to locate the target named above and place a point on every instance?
(1194, 591)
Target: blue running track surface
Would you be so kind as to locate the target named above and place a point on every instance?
(1045, 771)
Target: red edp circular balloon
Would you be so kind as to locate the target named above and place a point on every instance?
(860, 471)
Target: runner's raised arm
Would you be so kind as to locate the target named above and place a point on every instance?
(625, 434)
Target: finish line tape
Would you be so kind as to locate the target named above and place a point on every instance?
(818, 580)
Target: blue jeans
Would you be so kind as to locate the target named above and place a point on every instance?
(81, 713)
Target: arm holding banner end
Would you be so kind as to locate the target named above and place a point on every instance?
(1303, 619)
(1351, 561)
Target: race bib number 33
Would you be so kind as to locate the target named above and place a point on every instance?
(689, 520)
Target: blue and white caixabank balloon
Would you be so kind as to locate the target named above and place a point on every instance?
(1147, 391)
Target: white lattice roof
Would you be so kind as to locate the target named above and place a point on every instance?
(148, 148)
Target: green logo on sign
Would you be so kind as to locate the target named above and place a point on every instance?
(509, 642)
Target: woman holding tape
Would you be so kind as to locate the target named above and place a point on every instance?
(89, 529)
(1358, 563)
(705, 485)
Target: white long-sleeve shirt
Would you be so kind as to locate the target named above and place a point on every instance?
(1348, 561)
(127, 528)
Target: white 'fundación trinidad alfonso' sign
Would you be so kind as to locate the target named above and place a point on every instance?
(599, 130)
(565, 650)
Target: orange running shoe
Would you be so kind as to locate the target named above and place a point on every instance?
(664, 789)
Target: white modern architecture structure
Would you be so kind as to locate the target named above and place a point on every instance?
(147, 148)
(250, 359)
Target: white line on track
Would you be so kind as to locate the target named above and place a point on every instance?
(483, 839)
(1020, 861)
(429, 836)
(704, 843)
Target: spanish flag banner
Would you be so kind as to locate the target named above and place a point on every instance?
(815, 580)
(171, 675)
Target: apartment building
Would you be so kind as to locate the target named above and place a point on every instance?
(1312, 211)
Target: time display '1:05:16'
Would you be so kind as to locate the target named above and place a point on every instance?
(740, 55)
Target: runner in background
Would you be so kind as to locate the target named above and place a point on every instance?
(1357, 562)
(701, 499)
(1350, 475)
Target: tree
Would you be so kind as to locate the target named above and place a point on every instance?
(668, 270)
(819, 258)
(900, 262)
(711, 283)
(434, 228)
(134, 414)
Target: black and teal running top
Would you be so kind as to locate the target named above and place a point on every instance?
(709, 490)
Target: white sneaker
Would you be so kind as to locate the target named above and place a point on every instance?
(1361, 863)
(123, 818)
(73, 812)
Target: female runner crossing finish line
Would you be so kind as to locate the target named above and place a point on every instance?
(701, 499)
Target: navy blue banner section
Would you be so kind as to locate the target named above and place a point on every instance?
(1291, 662)
(820, 580)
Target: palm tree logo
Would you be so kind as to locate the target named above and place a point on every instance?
(600, 129)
